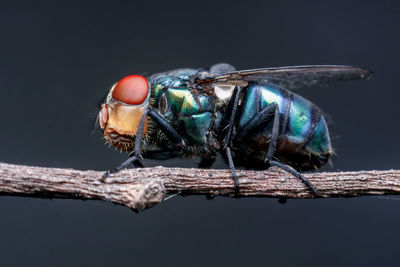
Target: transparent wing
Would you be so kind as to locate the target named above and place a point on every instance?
(291, 78)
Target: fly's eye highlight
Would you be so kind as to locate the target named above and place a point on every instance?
(131, 90)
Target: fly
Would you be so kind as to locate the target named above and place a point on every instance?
(251, 117)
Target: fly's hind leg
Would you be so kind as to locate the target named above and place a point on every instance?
(258, 122)
(295, 173)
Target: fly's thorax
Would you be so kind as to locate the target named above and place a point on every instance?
(189, 110)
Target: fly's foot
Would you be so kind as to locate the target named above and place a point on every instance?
(131, 160)
(310, 185)
(233, 171)
(266, 163)
(297, 174)
(105, 176)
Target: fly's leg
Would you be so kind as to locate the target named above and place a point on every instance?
(133, 156)
(227, 125)
(274, 135)
(233, 170)
(167, 128)
(139, 136)
(123, 165)
(258, 122)
(295, 173)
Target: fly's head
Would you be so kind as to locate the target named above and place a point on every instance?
(119, 117)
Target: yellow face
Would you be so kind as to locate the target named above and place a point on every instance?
(120, 116)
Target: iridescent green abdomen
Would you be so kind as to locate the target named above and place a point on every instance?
(303, 130)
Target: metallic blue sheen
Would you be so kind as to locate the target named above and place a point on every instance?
(320, 140)
(197, 126)
(300, 120)
(250, 107)
(182, 109)
(271, 94)
(268, 94)
(300, 116)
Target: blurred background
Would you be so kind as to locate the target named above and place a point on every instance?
(58, 59)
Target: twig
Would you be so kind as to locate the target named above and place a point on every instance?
(141, 188)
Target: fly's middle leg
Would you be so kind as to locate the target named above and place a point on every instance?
(227, 129)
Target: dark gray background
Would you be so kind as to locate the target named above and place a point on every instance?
(58, 58)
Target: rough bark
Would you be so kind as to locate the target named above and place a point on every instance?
(141, 188)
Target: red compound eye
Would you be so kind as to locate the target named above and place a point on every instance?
(132, 90)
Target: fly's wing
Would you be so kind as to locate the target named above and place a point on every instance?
(291, 78)
(183, 73)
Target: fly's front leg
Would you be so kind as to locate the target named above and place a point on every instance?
(123, 165)
(259, 122)
(135, 155)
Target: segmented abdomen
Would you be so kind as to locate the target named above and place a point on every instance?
(303, 129)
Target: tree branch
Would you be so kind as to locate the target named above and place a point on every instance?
(141, 188)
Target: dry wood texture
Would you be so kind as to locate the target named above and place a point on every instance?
(141, 188)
